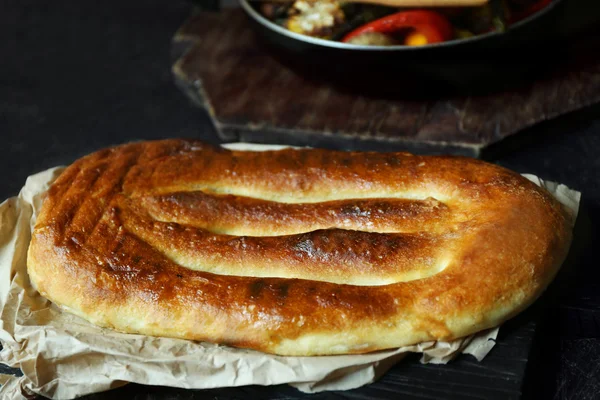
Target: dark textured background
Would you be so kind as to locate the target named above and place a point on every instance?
(78, 76)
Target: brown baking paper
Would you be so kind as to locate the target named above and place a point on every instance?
(63, 356)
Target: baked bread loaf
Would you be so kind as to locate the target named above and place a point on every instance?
(295, 251)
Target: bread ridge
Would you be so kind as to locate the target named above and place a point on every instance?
(99, 249)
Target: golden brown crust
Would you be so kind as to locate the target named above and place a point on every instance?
(295, 252)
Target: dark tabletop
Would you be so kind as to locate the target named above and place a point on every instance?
(78, 76)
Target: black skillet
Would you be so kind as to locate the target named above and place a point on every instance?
(492, 61)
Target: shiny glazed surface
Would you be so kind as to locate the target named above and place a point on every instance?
(294, 252)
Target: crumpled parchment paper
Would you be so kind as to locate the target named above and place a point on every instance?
(63, 356)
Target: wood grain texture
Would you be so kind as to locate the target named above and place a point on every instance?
(575, 381)
(252, 97)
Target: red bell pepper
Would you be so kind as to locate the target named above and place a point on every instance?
(532, 9)
(432, 26)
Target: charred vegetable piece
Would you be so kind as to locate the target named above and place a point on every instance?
(315, 18)
(494, 16)
(373, 39)
(357, 15)
(451, 12)
(274, 11)
(499, 20)
(419, 26)
(530, 10)
(480, 19)
(462, 34)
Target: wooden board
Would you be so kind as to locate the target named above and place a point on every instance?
(251, 97)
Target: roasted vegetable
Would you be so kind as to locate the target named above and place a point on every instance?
(499, 15)
(529, 10)
(315, 18)
(418, 27)
(373, 39)
(377, 25)
(274, 11)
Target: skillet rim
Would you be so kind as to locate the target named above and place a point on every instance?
(254, 14)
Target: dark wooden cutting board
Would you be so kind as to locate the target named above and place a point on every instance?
(251, 97)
